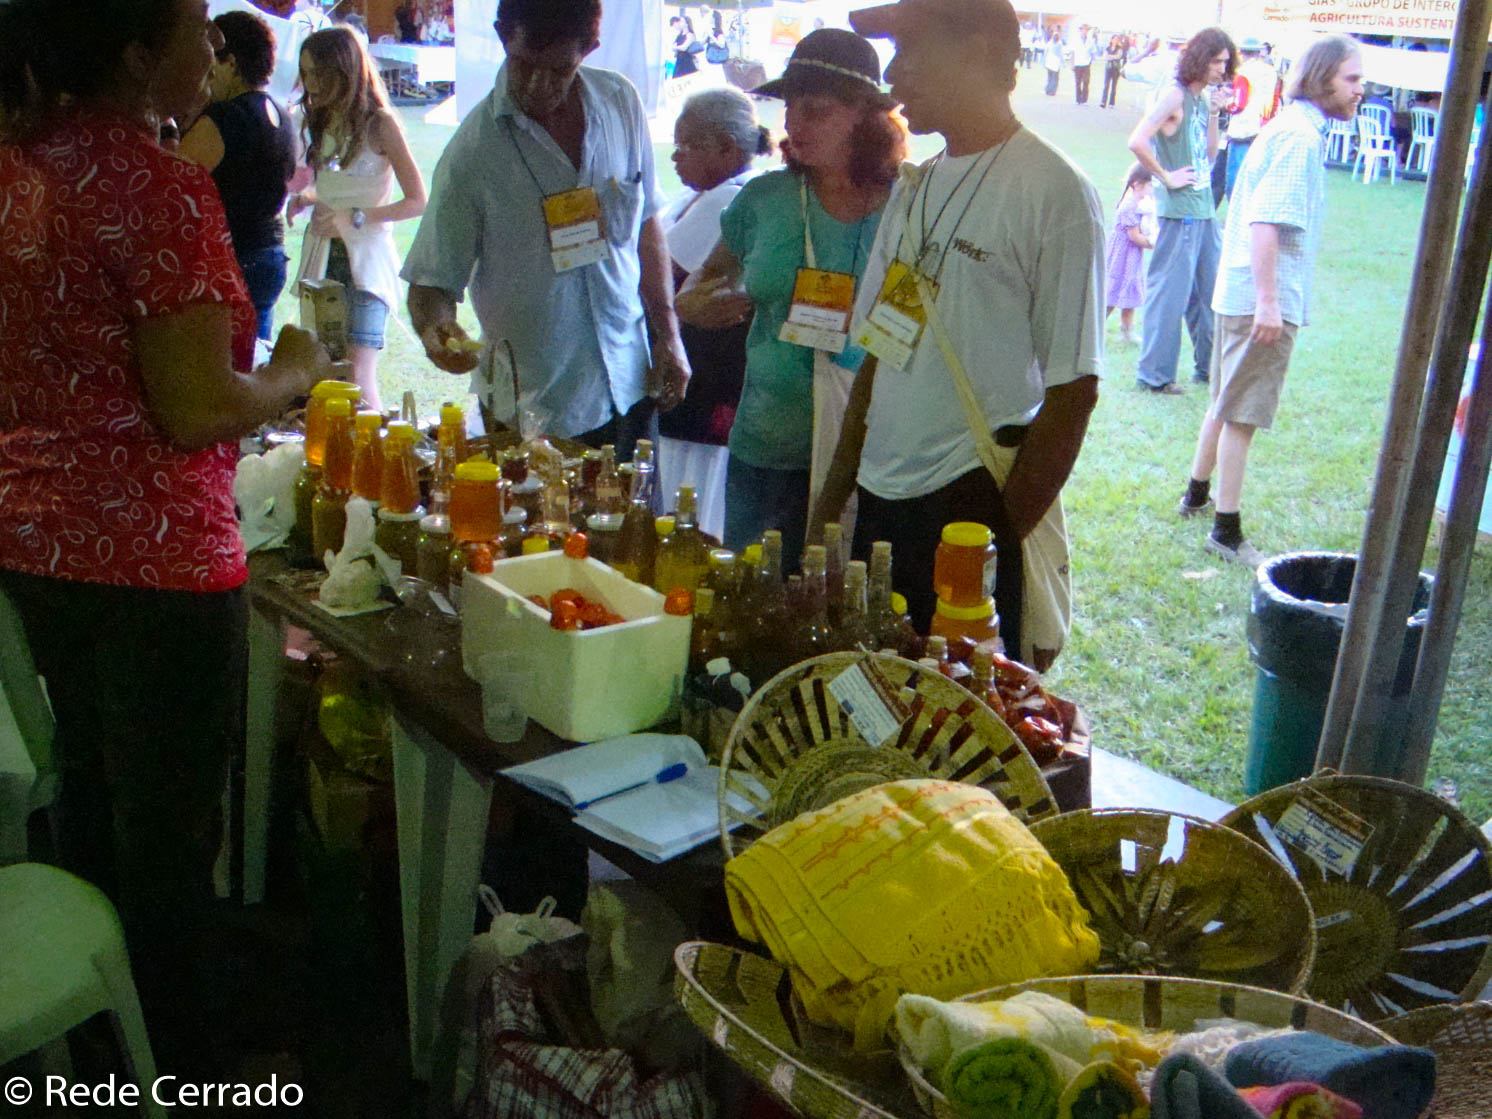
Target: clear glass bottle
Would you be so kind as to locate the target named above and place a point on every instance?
(637, 541)
(834, 573)
(450, 451)
(853, 631)
(684, 559)
(813, 634)
(610, 497)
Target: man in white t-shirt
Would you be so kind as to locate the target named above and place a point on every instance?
(1006, 236)
(1080, 51)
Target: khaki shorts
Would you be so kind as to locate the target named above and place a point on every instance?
(1246, 377)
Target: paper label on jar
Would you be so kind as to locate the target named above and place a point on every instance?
(863, 703)
(1327, 833)
(989, 575)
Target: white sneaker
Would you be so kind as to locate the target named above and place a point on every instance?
(1245, 553)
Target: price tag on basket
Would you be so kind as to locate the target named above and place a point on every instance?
(874, 716)
(1330, 835)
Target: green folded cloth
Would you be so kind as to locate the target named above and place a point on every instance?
(1007, 1078)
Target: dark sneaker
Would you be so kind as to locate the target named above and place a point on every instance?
(1245, 553)
(1200, 379)
(1170, 388)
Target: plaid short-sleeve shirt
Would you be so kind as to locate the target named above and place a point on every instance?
(1282, 182)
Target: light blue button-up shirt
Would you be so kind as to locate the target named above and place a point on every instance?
(1282, 182)
(579, 337)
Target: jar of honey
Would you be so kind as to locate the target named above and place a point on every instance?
(321, 392)
(964, 565)
(476, 511)
(399, 487)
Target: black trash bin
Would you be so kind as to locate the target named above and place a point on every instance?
(1294, 630)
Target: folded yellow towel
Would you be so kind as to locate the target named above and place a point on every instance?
(931, 887)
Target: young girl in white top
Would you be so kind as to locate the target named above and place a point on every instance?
(356, 148)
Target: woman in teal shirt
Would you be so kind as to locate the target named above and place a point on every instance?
(844, 147)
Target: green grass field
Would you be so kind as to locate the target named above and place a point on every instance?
(1157, 655)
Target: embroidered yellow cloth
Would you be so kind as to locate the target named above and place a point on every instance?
(922, 886)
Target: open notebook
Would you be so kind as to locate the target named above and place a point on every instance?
(654, 794)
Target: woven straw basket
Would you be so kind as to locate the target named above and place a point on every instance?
(1461, 1038)
(1400, 883)
(744, 1005)
(1166, 1004)
(1175, 895)
(795, 748)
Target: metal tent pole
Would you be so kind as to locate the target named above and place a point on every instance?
(1437, 418)
(1468, 491)
(1468, 54)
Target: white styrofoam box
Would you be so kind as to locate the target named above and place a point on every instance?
(583, 685)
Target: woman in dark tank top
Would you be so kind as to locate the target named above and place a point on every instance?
(245, 138)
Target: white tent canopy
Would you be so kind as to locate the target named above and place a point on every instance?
(631, 41)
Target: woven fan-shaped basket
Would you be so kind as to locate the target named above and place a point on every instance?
(1165, 1003)
(744, 1005)
(1461, 1039)
(795, 748)
(1175, 895)
(1400, 883)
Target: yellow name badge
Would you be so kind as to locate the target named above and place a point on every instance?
(576, 229)
(819, 317)
(895, 323)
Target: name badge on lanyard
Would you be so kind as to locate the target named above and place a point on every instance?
(894, 326)
(577, 231)
(819, 317)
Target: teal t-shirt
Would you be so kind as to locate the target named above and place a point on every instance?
(763, 227)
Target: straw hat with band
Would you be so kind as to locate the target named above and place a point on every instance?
(833, 61)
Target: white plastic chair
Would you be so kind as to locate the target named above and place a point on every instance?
(1374, 144)
(28, 780)
(1422, 139)
(64, 961)
(1340, 139)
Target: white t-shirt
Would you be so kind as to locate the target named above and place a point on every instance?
(691, 222)
(1021, 291)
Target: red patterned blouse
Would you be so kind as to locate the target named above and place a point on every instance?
(99, 229)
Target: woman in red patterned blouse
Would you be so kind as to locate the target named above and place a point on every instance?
(126, 336)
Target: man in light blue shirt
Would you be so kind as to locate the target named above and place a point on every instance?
(545, 203)
(1264, 280)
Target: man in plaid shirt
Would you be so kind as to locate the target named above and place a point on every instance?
(1264, 280)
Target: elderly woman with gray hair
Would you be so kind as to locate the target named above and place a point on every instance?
(716, 138)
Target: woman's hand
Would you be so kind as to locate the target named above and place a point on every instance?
(326, 222)
(714, 304)
(296, 348)
(296, 203)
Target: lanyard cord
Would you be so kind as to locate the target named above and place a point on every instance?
(517, 147)
(810, 258)
(928, 230)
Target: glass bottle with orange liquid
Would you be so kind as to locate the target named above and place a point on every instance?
(367, 455)
(475, 514)
(309, 479)
(329, 506)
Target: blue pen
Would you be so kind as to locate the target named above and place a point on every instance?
(664, 776)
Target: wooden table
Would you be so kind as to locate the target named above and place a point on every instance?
(444, 769)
